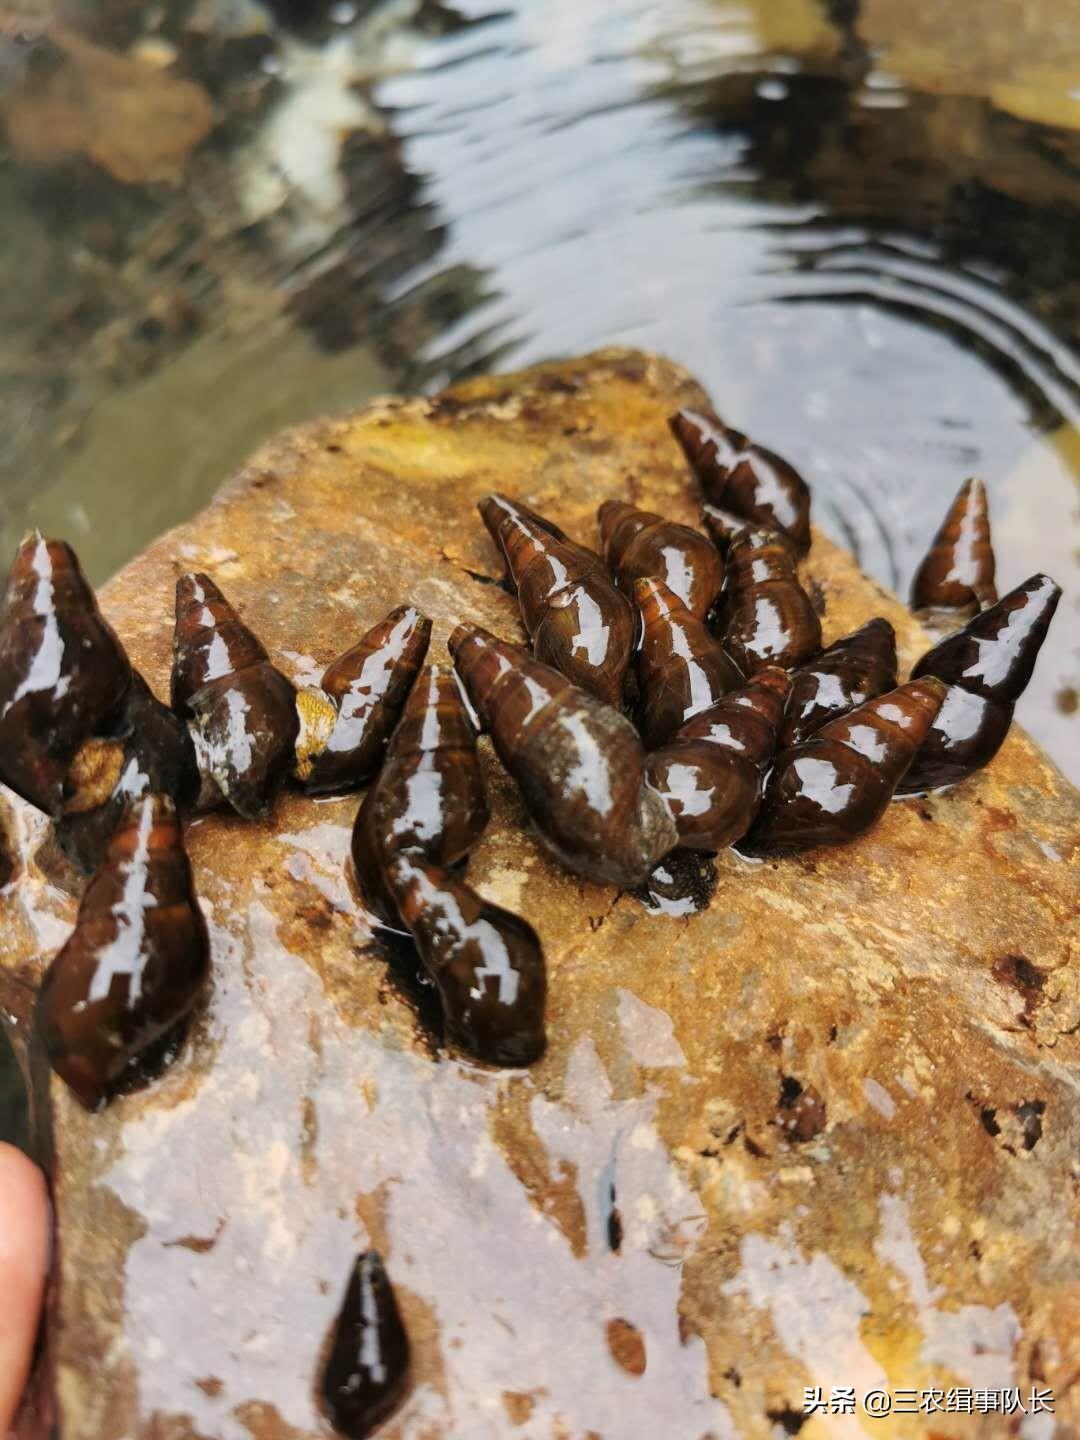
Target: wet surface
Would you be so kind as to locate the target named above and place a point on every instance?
(857, 225)
(601, 1242)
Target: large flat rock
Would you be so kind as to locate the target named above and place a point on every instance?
(658, 1187)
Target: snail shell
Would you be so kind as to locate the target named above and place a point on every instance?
(711, 773)
(744, 478)
(766, 617)
(346, 723)
(986, 667)
(243, 710)
(146, 750)
(367, 1370)
(423, 814)
(495, 508)
(63, 672)
(577, 620)
(429, 798)
(639, 544)
(835, 785)
(136, 963)
(579, 765)
(723, 526)
(487, 964)
(852, 670)
(957, 572)
(681, 667)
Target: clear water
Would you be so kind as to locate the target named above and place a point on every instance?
(855, 220)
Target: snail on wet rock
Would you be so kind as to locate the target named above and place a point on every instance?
(681, 667)
(640, 545)
(744, 479)
(835, 785)
(579, 764)
(986, 667)
(422, 816)
(136, 963)
(579, 622)
(852, 669)
(82, 734)
(765, 617)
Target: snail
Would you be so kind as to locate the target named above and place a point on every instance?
(136, 963)
(487, 964)
(576, 618)
(580, 766)
(765, 616)
(242, 709)
(496, 507)
(744, 478)
(429, 796)
(986, 667)
(367, 1370)
(723, 526)
(638, 544)
(146, 749)
(956, 575)
(835, 785)
(422, 815)
(853, 669)
(346, 722)
(710, 774)
(63, 673)
(681, 667)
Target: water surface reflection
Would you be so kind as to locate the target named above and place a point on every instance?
(863, 247)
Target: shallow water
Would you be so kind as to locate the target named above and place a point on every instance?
(843, 218)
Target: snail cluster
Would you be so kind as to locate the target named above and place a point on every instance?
(675, 696)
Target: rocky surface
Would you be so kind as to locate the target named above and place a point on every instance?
(824, 1133)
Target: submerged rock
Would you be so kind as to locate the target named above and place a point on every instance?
(915, 1230)
(133, 120)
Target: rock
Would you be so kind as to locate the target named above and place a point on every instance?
(823, 1134)
(1015, 58)
(135, 121)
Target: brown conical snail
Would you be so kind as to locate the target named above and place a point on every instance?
(487, 964)
(710, 774)
(579, 765)
(576, 618)
(366, 1375)
(346, 722)
(852, 669)
(429, 797)
(136, 963)
(242, 709)
(765, 616)
(681, 667)
(744, 478)
(835, 785)
(957, 573)
(638, 544)
(986, 667)
(63, 673)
